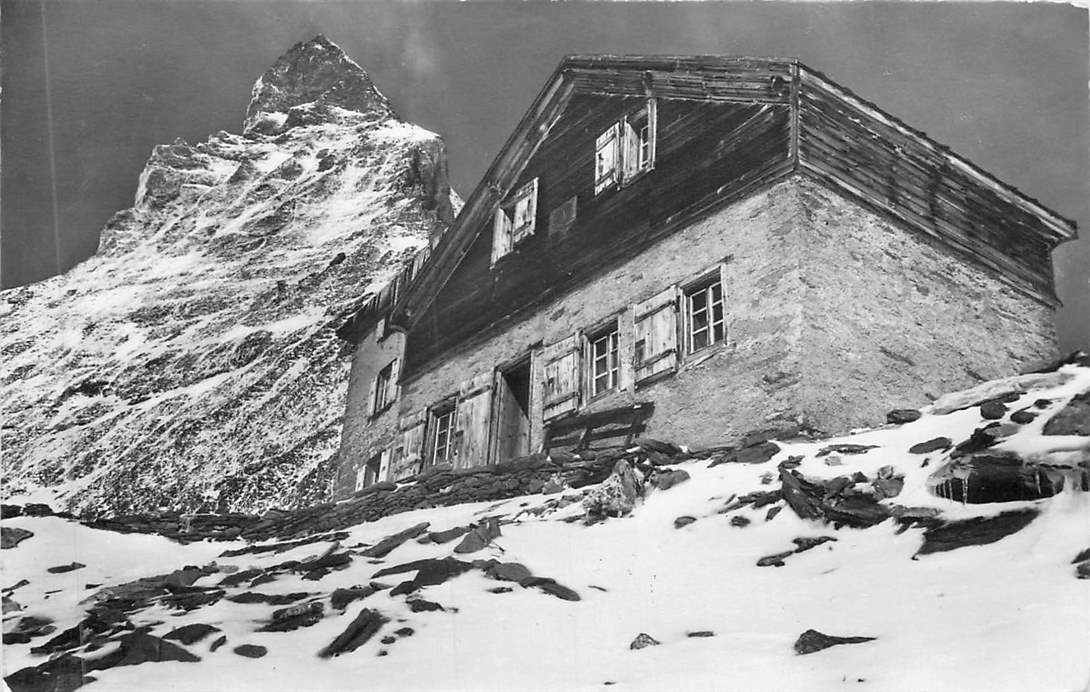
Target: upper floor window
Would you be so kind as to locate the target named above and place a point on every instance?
(384, 387)
(604, 361)
(515, 220)
(705, 324)
(626, 150)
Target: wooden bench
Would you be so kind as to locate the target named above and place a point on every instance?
(577, 432)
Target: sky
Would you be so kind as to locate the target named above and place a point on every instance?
(91, 89)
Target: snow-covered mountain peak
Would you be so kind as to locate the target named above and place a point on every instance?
(312, 77)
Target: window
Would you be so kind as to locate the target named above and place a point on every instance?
(704, 315)
(370, 473)
(443, 435)
(604, 363)
(626, 150)
(515, 220)
(384, 388)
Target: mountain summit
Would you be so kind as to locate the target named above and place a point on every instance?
(313, 74)
(192, 362)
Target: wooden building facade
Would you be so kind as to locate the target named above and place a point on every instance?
(658, 236)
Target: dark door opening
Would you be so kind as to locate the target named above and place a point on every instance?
(513, 412)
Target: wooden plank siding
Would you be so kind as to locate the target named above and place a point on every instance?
(915, 180)
(708, 153)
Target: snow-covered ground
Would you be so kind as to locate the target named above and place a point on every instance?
(1009, 615)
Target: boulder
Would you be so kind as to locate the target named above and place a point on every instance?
(812, 640)
(70, 567)
(140, 647)
(441, 537)
(191, 634)
(11, 536)
(668, 479)
(61, 674)
(993, 410)
(642, 641)
(774, 560)
(550, 587)
(976, 531)
(683, 521)
(1023, 417)
(507, 571)
(250, 650)
(358, 632)
(995, 477)
(479, 537)
(1073, 419)
(387, 545)
(935, 444)
(617, 495)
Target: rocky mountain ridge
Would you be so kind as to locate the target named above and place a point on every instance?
(192, 362)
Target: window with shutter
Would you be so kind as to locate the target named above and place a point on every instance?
(442, 435)
(656, 335)
(515, 220)
(561, 373)
(606, 158)
(603, 361)
(384, 388)
(639, 142)
(472, 422)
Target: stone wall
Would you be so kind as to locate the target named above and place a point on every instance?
(893, 319)
(725, 391)
(363, 436)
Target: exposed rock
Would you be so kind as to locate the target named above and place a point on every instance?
(976, 531)
(667, 480)
(507, 571)
(1073, 419)
(683, 521)
(340, 598)
(774, 560)
(806, 543)
(294, 617)
(995, 477)
(812, 640)
(479, 537)
(902, 415)
(1023, 417)
(420, 605)
(616, 496)
(250, 650)
(61, 674)
(993, 410)
(700, 633)
(141, 647)
(441, 537)
(936, 444)
(11, 536)
(739, 521)
(757, 454)
(642, 641)
(191, 634)
(846, 449)
(387, 545)
(70, 567)
(857, 510)
(550, 587)
(800, 494)
(365, 626)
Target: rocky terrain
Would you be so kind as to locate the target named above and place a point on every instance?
(192, 362)
(946, 550)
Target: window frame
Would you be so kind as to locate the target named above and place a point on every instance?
(384, 385)
(619, 137)
(445, 411)
(506, 235)
(705, 284)
(612, 357)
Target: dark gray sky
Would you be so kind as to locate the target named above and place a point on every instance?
(1004, 84)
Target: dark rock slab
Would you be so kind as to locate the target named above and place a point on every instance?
(420, 605)
(270, 599)
(845, 449)
(388, 544)
(220, 641)
(935, 444)
(667, 480)
(240, 576)
(739, 521)
(441, 537)
(995, 477)
(642, 641)
(550, 587)
(774, 560)
(507, 571)
(901, 416)
(250, 650)
(479, 537)
(62, 674)
(191, 634)
(1073, 419)
(801, 495)
(981, 439)
(976, 531)
(326, 563)
(1023, 417)
(11, 536)
(683, 521)
(70, 567)
(140, 647)
(858, 511)
(358, 633)
(340, 598)
(812, 640)
(700, 634)
(806, 543)
(993, 410)
(294, 617)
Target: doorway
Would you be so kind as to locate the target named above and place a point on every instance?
(512, 411)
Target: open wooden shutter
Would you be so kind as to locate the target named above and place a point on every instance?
(384, 465)
(410, 453)
(630, 158)
(656, 335)
(393, 387)
(606, 155)
(372, 404)
(524, 212)
(561, 386)
(472, 421)
(652, 131)
(501, 234)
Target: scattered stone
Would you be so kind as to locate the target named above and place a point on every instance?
(616, 496)
(501, 589)
(834, 460)
(845, 449)
(140, 647)
(61, 674)
(1082, 571)
(441, 537)
(11, 536)
(774, 560)
(289, 619)
(981, 439)
(507, 571)
(10, 605)
(937, 444)
(23, 582)
(700, 633)
(479, 537)
(218, 643)
(239, 577)
(812, 640)
(683, 521)
(250, 650)
(365, 626)
(667, 480)
(389, 639)
(387, 545)
(995, 477)
(1023, 417)
(857, 511)
(1081, 557)
(757, 454)
(420, 605)
(550, 587)
(993, 410)
(1042, 403)
(1073, 419)
(739, 521)
(772, 512)
(806, 543)
(642, 641)
(405, 632)
(975, 531)
(901, 416)
(191, 634)
(799, 494)
(429, 571)
(340, 598)
(61, 569)
(270, 599)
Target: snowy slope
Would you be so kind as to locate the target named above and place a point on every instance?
(1006, 615)
(192, 361)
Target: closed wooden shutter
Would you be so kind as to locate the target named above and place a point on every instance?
(384, 465)
(524, 212)
(656, 335)
(373, 404)
(501, 234)
(472, 421)
(606, 155)
(561, 374)
(410, 453)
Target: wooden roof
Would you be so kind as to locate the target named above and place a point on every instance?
(698, 77)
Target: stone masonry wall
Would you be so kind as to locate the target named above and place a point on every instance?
(893, 319)
(362, 437)
(712, 398)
